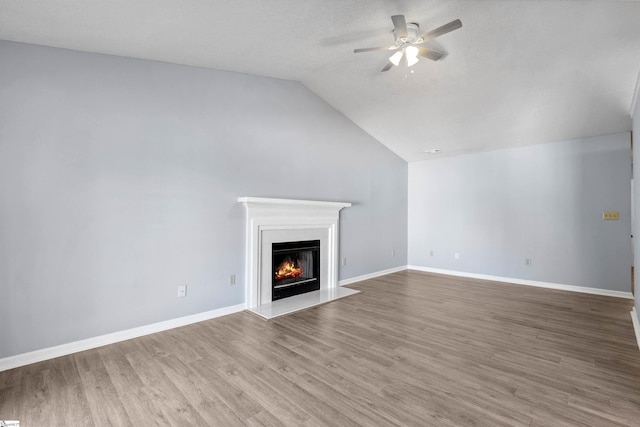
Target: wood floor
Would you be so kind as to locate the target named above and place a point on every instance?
(412, 349)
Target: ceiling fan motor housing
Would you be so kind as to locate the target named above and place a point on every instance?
(413, 35)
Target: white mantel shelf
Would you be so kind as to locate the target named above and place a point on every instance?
(271, 221)
(291, 202)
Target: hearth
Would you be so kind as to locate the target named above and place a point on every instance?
(295, 268)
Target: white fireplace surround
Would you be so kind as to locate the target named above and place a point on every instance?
(283, 220)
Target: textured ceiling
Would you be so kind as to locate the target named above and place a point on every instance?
(517, 72)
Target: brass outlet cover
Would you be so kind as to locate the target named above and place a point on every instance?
(610, 216)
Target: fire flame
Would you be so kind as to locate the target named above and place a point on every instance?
(287, 270)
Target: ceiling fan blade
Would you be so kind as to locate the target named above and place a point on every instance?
(446, 28)
(431, 54)
(387, 67)
(400, 25)
(373, 49)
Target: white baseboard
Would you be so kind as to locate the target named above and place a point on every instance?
(94, 342)
(559, 286)
(636, 325)
(371, 275)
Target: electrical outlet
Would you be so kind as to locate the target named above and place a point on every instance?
(610, 216)
(344, 261)
(182, 291)
(456, 255)
(527, 262)
(393, 253)
(431, 252)
(232, 279)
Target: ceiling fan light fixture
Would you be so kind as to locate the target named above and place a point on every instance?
(412, 55)
(396, 57)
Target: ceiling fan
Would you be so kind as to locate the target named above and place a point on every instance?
(409, 42)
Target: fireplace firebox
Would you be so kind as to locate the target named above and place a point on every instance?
(296, 268)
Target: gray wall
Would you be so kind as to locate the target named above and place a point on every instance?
(119, 181)
(541, 202)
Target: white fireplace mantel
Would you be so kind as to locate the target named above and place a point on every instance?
(292, 203)
(282, 220)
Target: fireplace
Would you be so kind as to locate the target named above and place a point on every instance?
(295, 268)
(271, 222)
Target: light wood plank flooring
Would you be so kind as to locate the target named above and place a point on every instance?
(412, 349)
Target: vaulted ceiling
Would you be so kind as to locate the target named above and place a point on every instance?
(518, 72)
